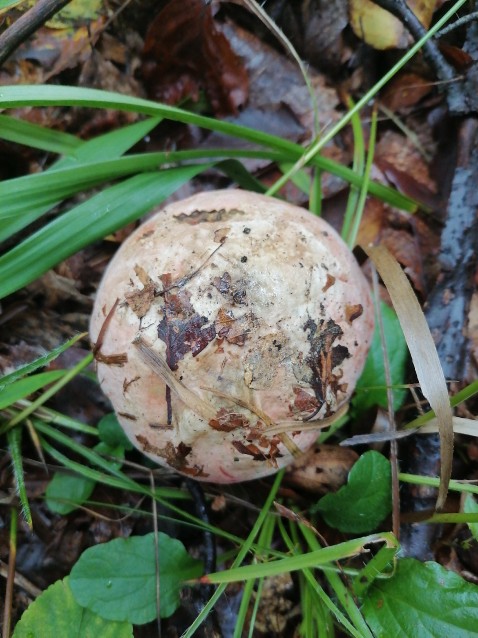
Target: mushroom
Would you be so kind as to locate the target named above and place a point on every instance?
(228, 329)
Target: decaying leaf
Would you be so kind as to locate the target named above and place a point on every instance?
(185, 53)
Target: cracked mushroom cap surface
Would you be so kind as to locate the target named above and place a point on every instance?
(225, 329)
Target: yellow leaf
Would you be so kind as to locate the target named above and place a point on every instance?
(380, 28)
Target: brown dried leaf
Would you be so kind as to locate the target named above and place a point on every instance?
(157, 364)
(324, 468)
(185, 53)
(404, 91)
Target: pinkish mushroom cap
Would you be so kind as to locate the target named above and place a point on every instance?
(227, 327)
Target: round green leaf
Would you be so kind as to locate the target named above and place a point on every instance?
(112, 433)
(56, 613)
(365, 501)
(422, 599)
(117, 580)
(66, 492)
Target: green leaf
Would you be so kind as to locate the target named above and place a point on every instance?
(56, 613)
(112, 433)
(117, 580)
(365, 501)
(371, 389)
(111, 209)
(471, 507)
(24, 387)
(422, 600)
(65, 492)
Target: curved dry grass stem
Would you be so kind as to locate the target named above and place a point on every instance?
(423, 352)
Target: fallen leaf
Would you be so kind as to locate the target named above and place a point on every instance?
(185, 53)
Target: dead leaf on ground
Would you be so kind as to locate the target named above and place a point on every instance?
(184, 54)
(324, 468)
(404, 91)
(403, 166)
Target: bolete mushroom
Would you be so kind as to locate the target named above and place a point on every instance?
(227, 328)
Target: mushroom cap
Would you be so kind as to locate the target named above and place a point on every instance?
(243, 321)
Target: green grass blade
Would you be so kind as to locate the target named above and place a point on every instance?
(264, 540)
(14, 130)
(14, 444)
(237, 172)
(358, 165)
(92, 220)
(246, 547)
(24, 387)
(312, 559)
(110, 145)
(27, 198)
(48, 393)
(38, 363)
(351, 237)
(314, 586)
(341, 591)
(315, 148)
(28, 95)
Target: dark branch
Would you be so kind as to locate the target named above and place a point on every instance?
(27, 24)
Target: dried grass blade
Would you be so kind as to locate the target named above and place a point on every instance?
(424, 355)
(461, 425)
(157, 364)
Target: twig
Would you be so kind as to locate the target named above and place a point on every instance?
(444, 72)
(27, 24)
(457, 24)
(197, 494)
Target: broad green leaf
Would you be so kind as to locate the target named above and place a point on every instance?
(365, 501)
(118, 579)
(101, 215)
(56, 613)
(112, 433)
(471, 507)
(38, 363)
(65, 492)
(26, 386)
(371, 389)
(422, 600)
